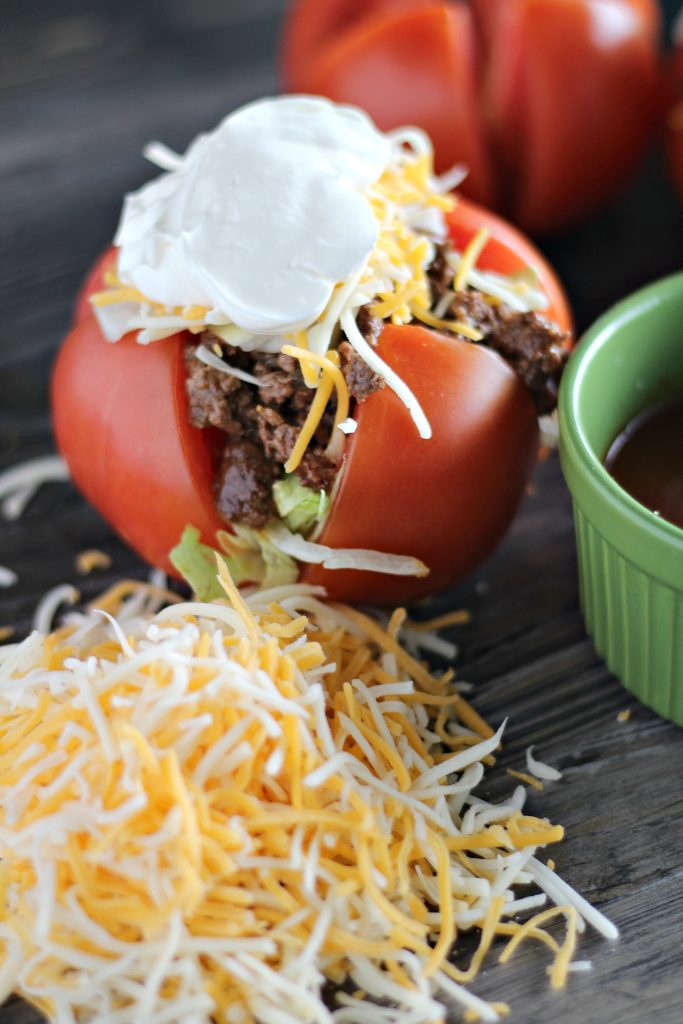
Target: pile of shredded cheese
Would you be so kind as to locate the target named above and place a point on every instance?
(207, 811)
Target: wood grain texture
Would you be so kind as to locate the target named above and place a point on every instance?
(83, 87)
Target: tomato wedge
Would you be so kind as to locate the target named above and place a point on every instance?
(448, 500)
(437, 46)
(550, 103)
(121, 422)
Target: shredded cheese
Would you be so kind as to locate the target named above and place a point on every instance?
(525, 777)
(8, 577)
(92, 558)
(365, 559)
(207, 810)
(471, 254)
(309, 371)
(18, 484)
(348, 426)
(49, 604)
(212, 359)
(450, 326)
(330, 366)
(540, 769)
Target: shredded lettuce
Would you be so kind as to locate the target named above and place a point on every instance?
(300, 508)
(252, 557)
(249, 555)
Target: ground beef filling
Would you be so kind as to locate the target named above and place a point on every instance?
(440, 273)
(535, 349)
(261, 424)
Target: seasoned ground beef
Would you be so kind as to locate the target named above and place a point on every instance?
(360, 379)
(471, 309)
(440, 273)
(369, 326)
(534, 348)
(278, 439)
(243, 486)
(276, 435)
(207, 392)
(261, 425)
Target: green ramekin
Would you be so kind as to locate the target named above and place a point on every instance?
(630, 560)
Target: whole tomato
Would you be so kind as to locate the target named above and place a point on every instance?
(121, 422)
(549, 103)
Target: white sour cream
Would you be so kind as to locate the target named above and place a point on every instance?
(261, 217)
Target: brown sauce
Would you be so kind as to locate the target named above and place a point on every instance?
(646, 459)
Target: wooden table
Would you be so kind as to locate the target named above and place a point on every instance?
(84, 87)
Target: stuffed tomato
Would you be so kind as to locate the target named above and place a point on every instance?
(338, 381)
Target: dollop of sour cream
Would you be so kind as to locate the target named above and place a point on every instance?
(261, 218)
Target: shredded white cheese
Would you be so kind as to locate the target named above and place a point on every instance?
(49, 604)
(293, 544)
(8, 577)
(540, 769)
(348, 426)
(211, 359)
(19, 483)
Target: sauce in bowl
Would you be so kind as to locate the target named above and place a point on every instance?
(646, 459)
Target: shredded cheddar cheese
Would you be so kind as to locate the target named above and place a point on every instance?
(471, 254)
(208, 809)
(526, 777)
(91, 559)
(308, 370)
(329, 365)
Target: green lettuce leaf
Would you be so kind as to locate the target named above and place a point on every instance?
(301, 508)
(252, 557)
(248, 554)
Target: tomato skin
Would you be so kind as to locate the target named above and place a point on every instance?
(447, 500)
(121, 422)
(571, 148)
(549, 102)
(434, 48)
(312, 25)
(672, 104)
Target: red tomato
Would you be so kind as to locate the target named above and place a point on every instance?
(121, 422)
(672, 100)
(549, 102)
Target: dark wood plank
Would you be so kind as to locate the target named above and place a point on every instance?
(83, 88)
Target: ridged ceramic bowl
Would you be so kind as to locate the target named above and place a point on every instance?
(630, 560)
